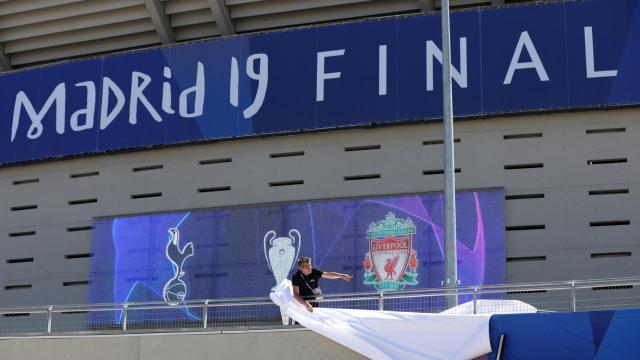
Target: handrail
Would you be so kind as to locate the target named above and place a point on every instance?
(247, 301)
(261, 312)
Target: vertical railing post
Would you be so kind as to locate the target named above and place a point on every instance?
(381, 302)
(125, 314)
(500, 345)
(49, 318)
(573, 296)
(205, 314)
(475, 300)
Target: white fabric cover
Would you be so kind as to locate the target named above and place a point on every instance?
(390, 334)
(492, 307)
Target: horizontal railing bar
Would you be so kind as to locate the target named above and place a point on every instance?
(522, 290)
(25, 311)
(85, 309)
(22, 309)
(150, 303)
(140, 308)
(242, 304)
(416, 296)
(588, 286)
(137, 307)
(325, 299)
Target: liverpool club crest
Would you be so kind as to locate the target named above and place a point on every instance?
(391, 262)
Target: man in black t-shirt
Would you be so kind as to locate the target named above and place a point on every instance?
(305, 282)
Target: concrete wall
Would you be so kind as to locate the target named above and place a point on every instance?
(267, 345)
(570, 210)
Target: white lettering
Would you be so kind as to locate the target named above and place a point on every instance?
(321, 76)
(233, 82)
(106, 117)
(589, 53)
(138, 95)
(198, 91)
(535, 63)
(166, 92)
(382, 70)
(263, 80)
(35, 130)
(460, 77)
(88, 111)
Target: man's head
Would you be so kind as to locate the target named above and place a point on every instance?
(304, 264)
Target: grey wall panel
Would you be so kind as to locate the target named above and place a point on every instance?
(114, 348)
(270, 345)
(553, 224)
(533, 241)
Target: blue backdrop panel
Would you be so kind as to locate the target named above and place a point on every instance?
(387, 243)
(584, 54)
(583, 335)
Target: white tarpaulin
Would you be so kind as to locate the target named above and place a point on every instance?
(492, 307)
(390, 334)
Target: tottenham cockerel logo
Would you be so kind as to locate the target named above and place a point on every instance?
(175, 290)
(391, 262)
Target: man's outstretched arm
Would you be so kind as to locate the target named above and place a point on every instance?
(335, 275)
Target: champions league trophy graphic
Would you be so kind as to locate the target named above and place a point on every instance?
(175, 290)
(280, 254)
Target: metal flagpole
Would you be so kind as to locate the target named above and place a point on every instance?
(450, 254)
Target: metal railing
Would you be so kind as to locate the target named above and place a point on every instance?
(260, 313)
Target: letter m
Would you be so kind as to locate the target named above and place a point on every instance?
(35, 130)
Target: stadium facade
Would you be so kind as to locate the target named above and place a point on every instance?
(563, 154)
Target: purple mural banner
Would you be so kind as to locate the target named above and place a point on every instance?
(389, 243)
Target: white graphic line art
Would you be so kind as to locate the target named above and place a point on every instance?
(281, 252)
(175, 290)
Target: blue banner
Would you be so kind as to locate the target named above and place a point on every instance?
(609, 334)
(386, 243)
(505, 60)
